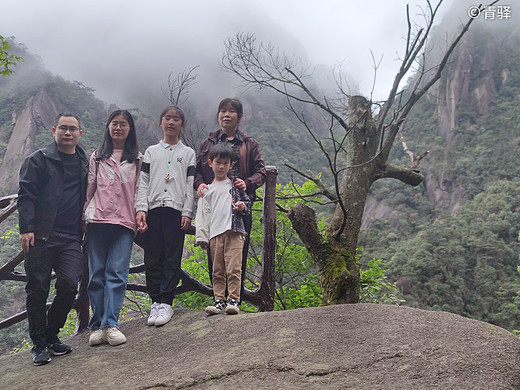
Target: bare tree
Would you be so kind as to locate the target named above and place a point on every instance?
(178, 86)
(360, 137)
(177, 93)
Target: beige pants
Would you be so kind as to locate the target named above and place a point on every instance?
(226, 253)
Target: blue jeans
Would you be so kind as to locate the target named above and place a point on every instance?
(109, 252)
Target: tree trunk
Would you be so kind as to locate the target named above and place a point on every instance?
(335, 254)
(334, 259)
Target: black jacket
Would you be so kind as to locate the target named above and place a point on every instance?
(41, 188)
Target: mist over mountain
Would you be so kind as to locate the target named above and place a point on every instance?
(32, 96)
(127, 58)
(126, 49)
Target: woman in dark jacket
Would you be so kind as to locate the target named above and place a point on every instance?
(248, 171)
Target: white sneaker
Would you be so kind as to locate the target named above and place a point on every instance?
(232, 307)
(96, 337)
(114, 336)
(218, 307)
(165, 314)
(154, 312)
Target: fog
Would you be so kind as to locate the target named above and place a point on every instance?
(120, 47)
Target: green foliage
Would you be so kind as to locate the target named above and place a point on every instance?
(283, 139)
(70, 325)
(465, 263)
(375, 288)
(297, 284)
(454, 238)
(7, 61)
(23, 346)
(197, 266)
(74, 97)
(12, 293)
(515, 331)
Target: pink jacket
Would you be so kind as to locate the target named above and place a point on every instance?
(111, 192)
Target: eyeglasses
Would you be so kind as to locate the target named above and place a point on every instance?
(122, 125)
(68, 128)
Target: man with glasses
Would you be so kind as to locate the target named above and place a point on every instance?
(53, 183)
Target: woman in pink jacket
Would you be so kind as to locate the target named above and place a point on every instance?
(110, 217)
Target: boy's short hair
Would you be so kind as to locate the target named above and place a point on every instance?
(221, 150)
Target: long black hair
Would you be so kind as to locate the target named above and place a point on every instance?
(131, 149)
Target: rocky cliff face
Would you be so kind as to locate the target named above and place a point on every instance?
(37, 115)
(469, 83)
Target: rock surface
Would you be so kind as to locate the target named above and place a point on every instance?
(363, 346)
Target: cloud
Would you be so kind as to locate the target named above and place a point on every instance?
(122, 48)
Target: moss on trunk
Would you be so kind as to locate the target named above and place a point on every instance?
(339, 274)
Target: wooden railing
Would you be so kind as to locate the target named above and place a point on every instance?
(263, 297)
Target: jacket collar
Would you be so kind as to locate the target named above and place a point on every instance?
(217, 135)
(165, 145)
(51, 151)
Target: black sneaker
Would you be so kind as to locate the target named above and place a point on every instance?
(40, 356)
(232, 307)
(57, 348)
(217, 307)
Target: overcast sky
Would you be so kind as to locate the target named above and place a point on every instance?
(106, 44)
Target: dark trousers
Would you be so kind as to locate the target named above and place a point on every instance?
(61, 253)
(248, 223)
(163, 246)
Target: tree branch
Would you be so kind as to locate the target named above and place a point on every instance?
(408, 176)
(316, 180)
(303, 219)
(178, 87)
(415, 159)
(418, 91)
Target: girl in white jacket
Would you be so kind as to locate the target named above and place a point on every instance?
(164, 210)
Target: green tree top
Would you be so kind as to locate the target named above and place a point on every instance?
(7, 61)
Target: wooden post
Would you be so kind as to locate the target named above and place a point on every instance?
(268, 286)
